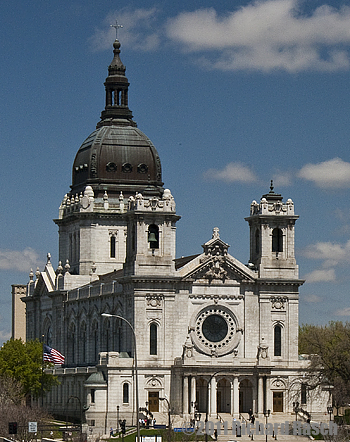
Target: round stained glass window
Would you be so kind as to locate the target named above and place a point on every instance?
(214, 328)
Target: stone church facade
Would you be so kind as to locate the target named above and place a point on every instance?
(203, 324)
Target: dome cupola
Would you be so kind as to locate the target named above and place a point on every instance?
(117, 156)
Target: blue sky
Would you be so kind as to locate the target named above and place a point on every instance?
(232, 94)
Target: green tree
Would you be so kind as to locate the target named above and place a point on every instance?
(328, 348)
(23, 362)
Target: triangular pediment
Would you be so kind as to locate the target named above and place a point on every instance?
(217, 268)
(216, 264)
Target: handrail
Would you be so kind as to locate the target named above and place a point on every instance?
(220, 418)
(242, 418)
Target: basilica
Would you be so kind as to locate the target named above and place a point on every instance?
(140, 328)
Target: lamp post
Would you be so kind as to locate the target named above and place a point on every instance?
(169, 410)
(330, 411)
(109, 315)
(117, 418)
(296, 409)
(207, 408)
(266, 414)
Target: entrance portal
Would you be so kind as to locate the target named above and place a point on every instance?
(245, 396)
(223, 396)
(278, 401)
(153, 401)
(201, 395)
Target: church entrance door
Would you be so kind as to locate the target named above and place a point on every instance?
(223, 396)
(245, 396)
(201, 395)
(218, 401)
(153, 401)
(278, 401)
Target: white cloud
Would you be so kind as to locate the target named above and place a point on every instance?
(140, 30)
(343, 312)
(332, 255)
(322, 275)
(328, 251)
(266, 35)
(282, 179)
(232, 172)
(22, 261)
(333, 173)
(312, 299)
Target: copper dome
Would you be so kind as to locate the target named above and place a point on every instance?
(117, 156)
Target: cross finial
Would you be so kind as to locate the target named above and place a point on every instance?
(116, 26)
(216, 234)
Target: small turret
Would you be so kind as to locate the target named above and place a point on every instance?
(272, 236)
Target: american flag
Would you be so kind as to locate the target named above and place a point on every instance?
(52, 355)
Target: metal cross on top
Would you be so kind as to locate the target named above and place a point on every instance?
(116, 26)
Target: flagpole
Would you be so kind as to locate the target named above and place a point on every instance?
(42, 371)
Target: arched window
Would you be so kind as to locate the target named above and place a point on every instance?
(71, 344)
(48, 335)
(303, 394)
(125, 393)
(133, 237)
(112, 247)
(257, 241)
(278, 340)
(83, 342)
(94, 352)
(277, 240)
(107, 335)
(153, 339)
(153, 236)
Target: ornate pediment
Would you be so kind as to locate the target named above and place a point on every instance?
(220, 268)
(215, 246)
(215, 264)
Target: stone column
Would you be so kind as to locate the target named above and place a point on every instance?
(213, 396)
(193, 394)
(235, 397)
(232, 397)
(260, 396)
(268, 394)
(185, 396)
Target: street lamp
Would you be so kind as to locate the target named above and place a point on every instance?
(296, 409)
(330, 411)
(117, 418)
(266, 414)
(207, 401)
(169, 410)
(109, 315)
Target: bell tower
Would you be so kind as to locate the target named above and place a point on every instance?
(272, 224)
(115, 162)
(151, 235)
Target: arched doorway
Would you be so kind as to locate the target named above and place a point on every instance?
(245, 396)
(223, 396)
(201, 395)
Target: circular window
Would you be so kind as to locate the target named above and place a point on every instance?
(111, 167)
(214, 328)
(142, 168)
(127, 167)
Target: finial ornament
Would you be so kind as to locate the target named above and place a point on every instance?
(271, 186)
(116, 26)
(216, 234)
